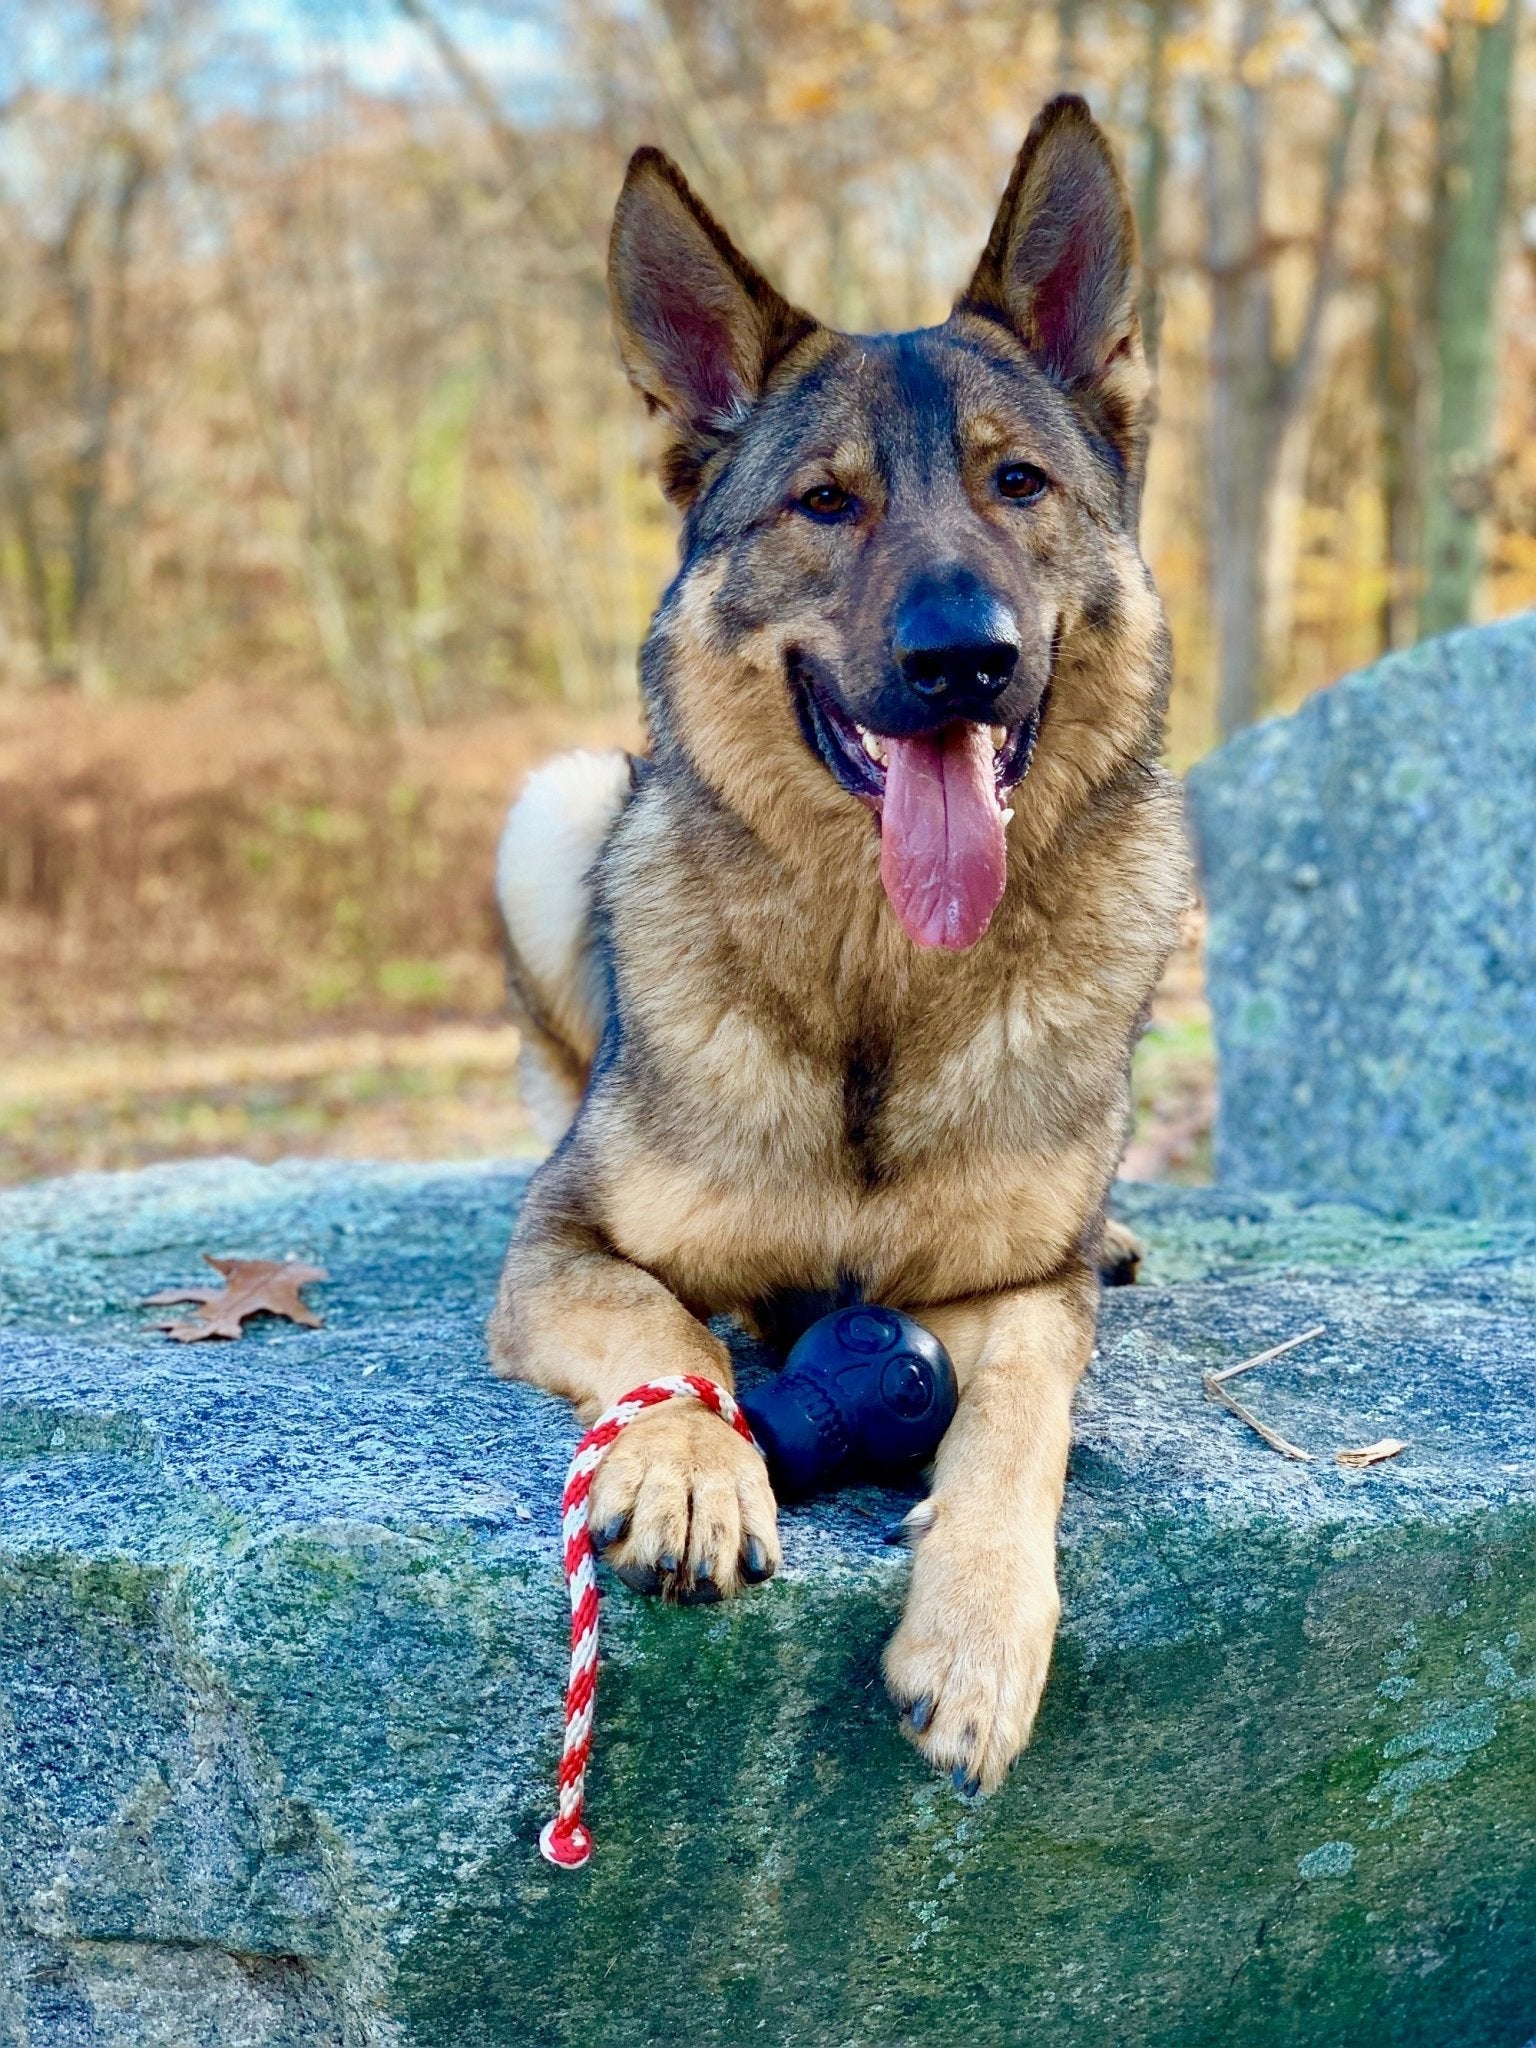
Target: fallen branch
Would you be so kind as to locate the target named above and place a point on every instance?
(1211, 1381)
(1351, 1461)
(1230, 1372)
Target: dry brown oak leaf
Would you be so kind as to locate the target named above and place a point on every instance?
(251, 1287)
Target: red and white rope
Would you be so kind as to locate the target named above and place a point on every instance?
(567, 1840)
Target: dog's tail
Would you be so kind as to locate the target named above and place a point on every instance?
(549, 843)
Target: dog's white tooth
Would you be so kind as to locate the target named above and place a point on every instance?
(874, 746)
(999, 738)
(1007, 817)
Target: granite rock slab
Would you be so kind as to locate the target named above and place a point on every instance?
(1370, 870)
(282, 1642)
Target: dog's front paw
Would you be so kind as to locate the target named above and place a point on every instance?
(968, 1663)
(1121, 1252)
(681, 1506)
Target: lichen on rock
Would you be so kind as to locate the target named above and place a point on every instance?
(282, 1643)
(1367, 867)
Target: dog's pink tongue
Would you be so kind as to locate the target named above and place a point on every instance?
(943, 858)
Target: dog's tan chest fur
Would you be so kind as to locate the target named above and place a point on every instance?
(932, 1126)
(927, 1236)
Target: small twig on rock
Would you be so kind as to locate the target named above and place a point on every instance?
(1212, 1382)
(1368, 1454)
(1230, 1372)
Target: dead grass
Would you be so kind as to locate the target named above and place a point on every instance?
(244, 863)
(1173, 1079)
(232, 923)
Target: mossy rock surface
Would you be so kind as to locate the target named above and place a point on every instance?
(282, 1641)
(1369, 869)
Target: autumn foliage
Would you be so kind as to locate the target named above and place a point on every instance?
(324, 507)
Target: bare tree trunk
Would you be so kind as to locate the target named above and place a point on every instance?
(1241, 376)
(1240, 460)
(322, 585)
(719, 165)
(1397, 343)
(1475, 157)
(21, 497)
(1262, 407)
(101, 320)
(1299, 384)
(1153, 174)
(621, 578)
(533, 185)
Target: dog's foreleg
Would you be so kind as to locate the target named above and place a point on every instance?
(968, 1663)
(680, 1504)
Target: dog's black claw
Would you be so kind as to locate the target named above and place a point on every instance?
(666, 1564)
(703, 1592)
(754, 1564)
(920, 1713)
(605, 1534)
(640, 1578)
(964, 1782)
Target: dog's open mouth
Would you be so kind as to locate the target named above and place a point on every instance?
(942, 801)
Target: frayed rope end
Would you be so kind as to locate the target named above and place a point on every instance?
(567, 1848)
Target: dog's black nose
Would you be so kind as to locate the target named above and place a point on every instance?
(955, 644)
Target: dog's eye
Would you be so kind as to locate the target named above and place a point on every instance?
(826, 501)
(1021, 481)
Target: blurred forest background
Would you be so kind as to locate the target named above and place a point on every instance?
(324, 509)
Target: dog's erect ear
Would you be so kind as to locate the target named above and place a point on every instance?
(699, 326)
(1060, 268)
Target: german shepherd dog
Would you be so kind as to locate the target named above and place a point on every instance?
(831, 994)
